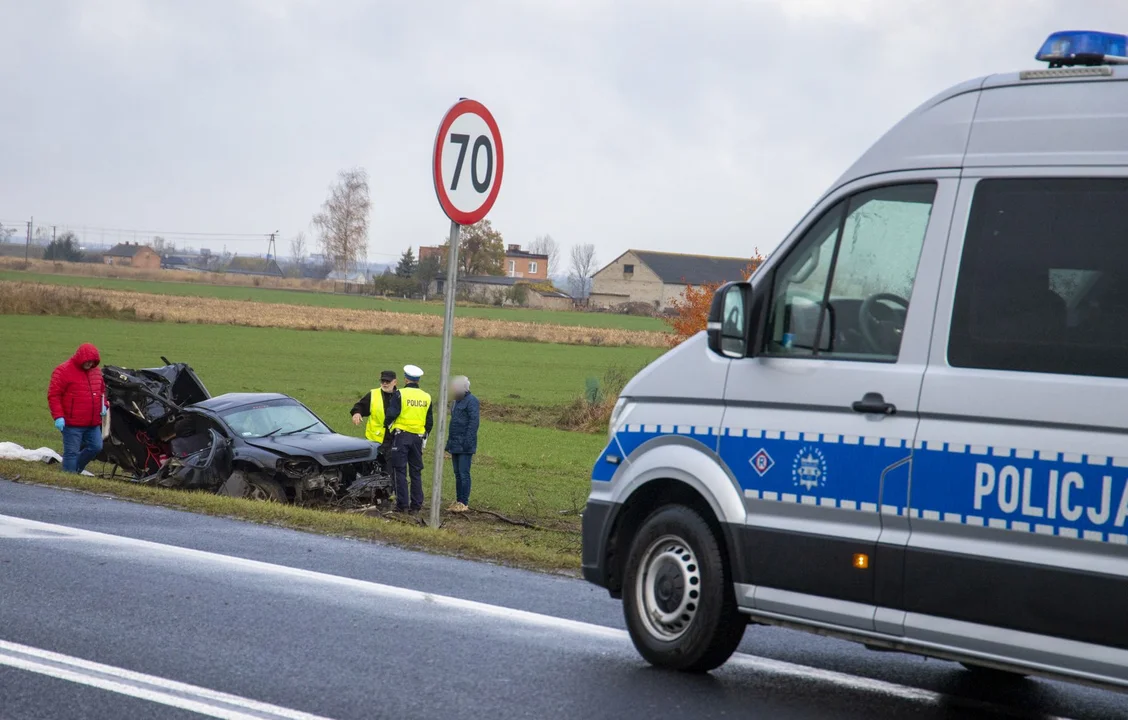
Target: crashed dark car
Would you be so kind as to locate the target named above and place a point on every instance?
(166, 429)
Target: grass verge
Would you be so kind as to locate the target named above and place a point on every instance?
(476, 536)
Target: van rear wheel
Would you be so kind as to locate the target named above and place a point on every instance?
(677, 594)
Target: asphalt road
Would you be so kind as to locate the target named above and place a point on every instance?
(346, 629)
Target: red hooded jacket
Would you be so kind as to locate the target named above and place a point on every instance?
(78, 395)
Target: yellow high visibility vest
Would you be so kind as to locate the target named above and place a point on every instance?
(413, 411)
(374, 430)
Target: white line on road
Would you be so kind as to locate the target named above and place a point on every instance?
(20, 528)
(146, 687)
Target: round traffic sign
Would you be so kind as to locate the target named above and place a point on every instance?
(468, 162)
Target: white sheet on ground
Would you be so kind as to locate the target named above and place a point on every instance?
(12, 451)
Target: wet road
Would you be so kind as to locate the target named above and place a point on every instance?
(110, 609)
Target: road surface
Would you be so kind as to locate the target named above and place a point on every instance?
(111, 609)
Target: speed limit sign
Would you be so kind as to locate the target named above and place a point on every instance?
(468, 162)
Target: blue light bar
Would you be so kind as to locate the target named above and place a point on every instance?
(1084, 47)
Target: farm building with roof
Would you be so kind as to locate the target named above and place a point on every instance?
(656, 278)
(133, 255)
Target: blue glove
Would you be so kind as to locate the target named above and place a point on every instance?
(60, 424)
(105, 410)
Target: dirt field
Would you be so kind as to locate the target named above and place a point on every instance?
(36, 299)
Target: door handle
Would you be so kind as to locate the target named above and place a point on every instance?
(874, 403)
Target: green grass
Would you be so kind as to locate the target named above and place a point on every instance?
(327, 370)
(536, 474)
(319, 299)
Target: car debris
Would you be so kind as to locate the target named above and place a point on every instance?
(164, 428)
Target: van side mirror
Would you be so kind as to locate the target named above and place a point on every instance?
(729, 315)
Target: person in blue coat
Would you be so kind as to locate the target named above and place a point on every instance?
(462, 441)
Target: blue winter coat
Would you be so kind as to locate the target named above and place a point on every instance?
(464, 417)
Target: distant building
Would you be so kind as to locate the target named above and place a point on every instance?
(487, 288)
(656, 278)
(517, 264)
(133, 255)
(521, 264)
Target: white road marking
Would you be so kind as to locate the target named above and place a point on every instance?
(146, 687)
(20, 528)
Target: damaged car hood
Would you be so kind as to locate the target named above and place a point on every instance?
(326, 448)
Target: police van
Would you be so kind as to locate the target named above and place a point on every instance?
(909, 428)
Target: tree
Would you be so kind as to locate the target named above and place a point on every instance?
(426, 271)
(163, 247)
(343, 220)
(65, 247)
(583, 267)
(481, 250)
(546, 245)
(691, 308)
(298, 248)
(518, 294)
(407, 264)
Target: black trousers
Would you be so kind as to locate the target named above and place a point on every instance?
(407, 457)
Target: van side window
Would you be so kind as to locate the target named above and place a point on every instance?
(848, 281)
(1043, 281)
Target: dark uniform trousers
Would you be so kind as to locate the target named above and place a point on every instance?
(407, 456)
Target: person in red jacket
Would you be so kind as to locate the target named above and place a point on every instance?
(77, 398)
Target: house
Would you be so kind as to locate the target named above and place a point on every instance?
(517, 264)
(133, 255)
(248, 265)
(488, 289)
(521, 264)
(656, 278)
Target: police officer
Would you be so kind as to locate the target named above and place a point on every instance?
(409, 437)
(381, 406)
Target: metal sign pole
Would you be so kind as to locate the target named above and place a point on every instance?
(438, 432)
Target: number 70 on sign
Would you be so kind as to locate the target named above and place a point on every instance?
(469, 161)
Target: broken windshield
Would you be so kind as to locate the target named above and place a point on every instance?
(264, 420)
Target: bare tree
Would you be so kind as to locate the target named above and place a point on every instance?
(583, 267)
(298, 248)
(546, 245)
(343, 220)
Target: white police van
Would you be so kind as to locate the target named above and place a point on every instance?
(910, 428)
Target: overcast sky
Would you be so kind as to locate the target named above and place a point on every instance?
(700, 126)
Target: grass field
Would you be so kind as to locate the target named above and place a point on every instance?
(362, 302)
(536, 474)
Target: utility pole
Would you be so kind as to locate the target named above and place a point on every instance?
(53, 227)
(27, 246)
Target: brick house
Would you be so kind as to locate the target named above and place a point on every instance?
(656, 278)
(521, 264)
(517, 264)
(133, 255)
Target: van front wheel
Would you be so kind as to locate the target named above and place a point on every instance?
(677, 594)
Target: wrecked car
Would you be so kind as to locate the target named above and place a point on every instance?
(164, 428)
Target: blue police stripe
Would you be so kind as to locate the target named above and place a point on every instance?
(1074, 496)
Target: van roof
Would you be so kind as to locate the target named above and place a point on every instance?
(1065, 117)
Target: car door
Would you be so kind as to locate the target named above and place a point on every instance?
(819, 424)
(1019, 515)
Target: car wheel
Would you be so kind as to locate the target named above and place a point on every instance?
(677, 594)
(255, 486)
(989, 673)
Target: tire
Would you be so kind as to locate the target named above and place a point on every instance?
(993, 674)
(678, 597)
(260, 487)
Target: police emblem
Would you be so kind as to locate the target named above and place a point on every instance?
(809, 468)
(761, 462)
